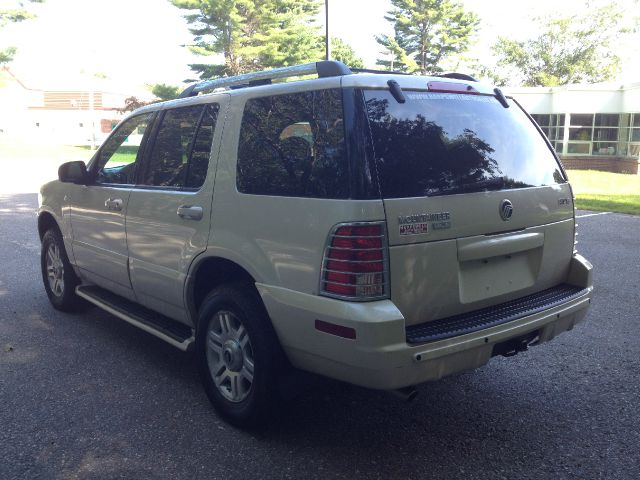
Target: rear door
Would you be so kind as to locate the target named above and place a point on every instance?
(478, 210)
(169, 211)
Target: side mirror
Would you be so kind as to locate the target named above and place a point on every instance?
(73, 172)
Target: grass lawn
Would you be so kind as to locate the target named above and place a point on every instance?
(604, 191)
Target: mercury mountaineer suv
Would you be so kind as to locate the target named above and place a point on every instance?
(377, 228)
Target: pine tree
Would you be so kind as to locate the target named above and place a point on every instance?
(252, 34)
(426, 33)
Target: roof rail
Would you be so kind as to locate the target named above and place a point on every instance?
(369, 70)
(455, 75)
(325, 68)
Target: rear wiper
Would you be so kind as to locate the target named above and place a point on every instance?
(501, 98)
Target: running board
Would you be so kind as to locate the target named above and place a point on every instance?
(174, 333)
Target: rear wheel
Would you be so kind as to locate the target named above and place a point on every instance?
(238, 355)
(59, 279)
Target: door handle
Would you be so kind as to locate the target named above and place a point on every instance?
(113, 204)
(190, 212)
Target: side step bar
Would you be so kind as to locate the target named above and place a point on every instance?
(174, 333)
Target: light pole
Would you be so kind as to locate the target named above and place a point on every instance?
(327, 39)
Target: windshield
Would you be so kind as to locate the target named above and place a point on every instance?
(443, 143)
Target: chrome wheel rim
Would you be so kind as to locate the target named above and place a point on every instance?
(230, 356)
(55, 270)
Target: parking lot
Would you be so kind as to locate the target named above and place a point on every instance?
(89, 396)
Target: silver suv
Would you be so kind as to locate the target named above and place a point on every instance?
(380, 229)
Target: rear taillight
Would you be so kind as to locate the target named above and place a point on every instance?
(354, 266)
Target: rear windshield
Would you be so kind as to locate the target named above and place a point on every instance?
(447, 143)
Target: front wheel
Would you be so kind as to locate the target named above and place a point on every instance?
(60, 281)
(238, 355)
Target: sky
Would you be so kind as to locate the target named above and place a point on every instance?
(137, 42)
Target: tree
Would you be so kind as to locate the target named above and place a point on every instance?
(426, 33)
(251, 34)
(573, 49)
(13, 15)
(132, 103)
(165, 92)
(343, 52)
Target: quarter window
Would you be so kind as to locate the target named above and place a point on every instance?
(293, 145)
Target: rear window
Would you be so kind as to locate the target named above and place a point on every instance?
(293, 145)
(444, 143)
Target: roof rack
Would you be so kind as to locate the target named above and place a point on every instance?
(325, 68)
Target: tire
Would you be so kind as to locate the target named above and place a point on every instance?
(238, 355)
(60, 281)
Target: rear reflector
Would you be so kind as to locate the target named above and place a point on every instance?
(334, 329)
(355, 262)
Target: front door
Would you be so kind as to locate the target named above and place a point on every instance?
(168, 214)
(98, 210)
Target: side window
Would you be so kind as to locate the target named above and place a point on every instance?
(293, 145)
(168, 163)
(119, 153)
(197, 170)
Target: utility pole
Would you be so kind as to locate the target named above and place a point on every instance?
(327, 39)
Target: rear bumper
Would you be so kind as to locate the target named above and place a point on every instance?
(380, 356)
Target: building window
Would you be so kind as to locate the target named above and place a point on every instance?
(553, 127)
(634, 135)
(610, 134)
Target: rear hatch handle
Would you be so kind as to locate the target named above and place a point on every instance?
(479, 249)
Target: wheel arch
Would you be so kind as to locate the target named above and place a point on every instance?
(209, 272)
(46, 221)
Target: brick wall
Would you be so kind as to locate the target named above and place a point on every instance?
(605, 164)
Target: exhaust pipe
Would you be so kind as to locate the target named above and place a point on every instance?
(406, 393)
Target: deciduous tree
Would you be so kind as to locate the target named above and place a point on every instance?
(343, 52)
(165, 92)
(572, 49)
(13, 15)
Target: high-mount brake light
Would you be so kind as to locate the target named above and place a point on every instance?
(354, 266)
(451, 87)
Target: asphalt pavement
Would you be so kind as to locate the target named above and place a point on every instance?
(87, 396)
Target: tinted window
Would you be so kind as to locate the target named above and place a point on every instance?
(167, 164)
(293, 145)
(437, 144)
(201, 152)
(119, 153)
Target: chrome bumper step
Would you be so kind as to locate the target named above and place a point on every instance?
(491, 316)
(175, 333)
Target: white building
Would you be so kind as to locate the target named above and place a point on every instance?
(59, 112)
(590, 126)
